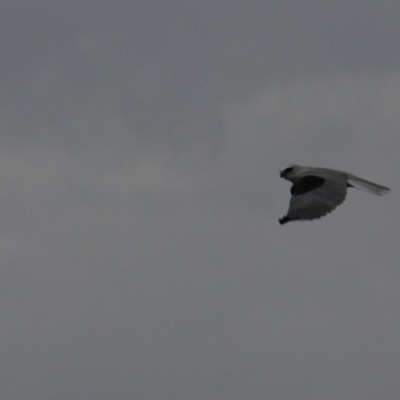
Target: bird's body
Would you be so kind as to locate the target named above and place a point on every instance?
(318, 191)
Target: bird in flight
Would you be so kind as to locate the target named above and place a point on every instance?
(317, 191)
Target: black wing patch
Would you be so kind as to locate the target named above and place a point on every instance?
(306, 184)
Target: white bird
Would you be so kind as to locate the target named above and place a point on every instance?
(318, 191)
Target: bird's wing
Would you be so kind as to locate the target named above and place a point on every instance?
(315, 203)
(367, 186)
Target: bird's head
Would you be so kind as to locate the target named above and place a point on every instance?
(290, 172)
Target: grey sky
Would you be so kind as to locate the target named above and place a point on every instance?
(141, 254)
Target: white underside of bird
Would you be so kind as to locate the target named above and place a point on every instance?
(318, 191)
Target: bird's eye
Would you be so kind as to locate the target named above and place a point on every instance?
(289, 169)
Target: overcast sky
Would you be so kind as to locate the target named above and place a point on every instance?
(140, 251)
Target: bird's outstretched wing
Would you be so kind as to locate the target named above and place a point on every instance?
(315, 196)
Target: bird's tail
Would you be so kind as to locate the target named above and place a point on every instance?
(367, 186)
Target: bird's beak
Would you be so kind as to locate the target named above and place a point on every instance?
(281, 174)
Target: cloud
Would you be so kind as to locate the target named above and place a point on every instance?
(140, 249)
